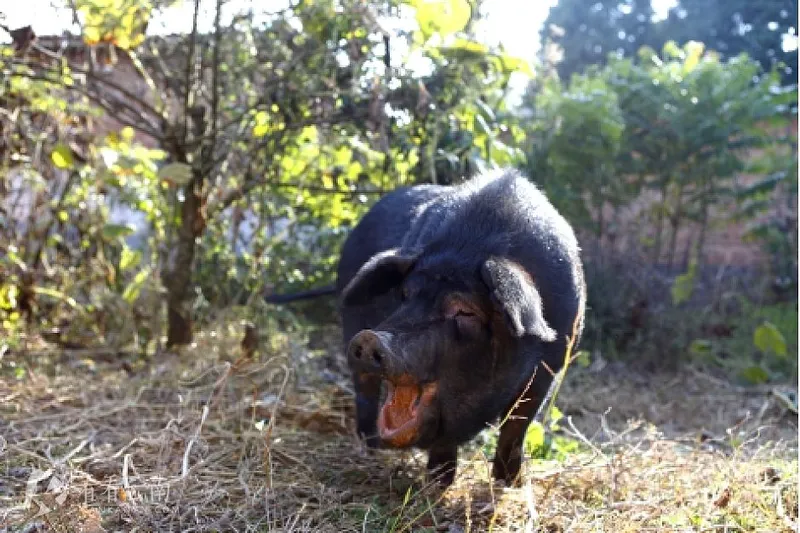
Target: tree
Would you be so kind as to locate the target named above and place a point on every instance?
(575, 148)
(735, 26)
(584, 33)
(578, 34)
(680, 124)
(295, 118)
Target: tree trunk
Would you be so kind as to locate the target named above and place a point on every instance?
(675, 225)
(701, 240)
(178, 272)
(600, 229)
(659, 226)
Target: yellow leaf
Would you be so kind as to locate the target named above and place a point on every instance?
(517, 64)
(671, 50)
(120, 22)
(694, 51)
(442, 16)
(62, 156)
(262, 126)
(91, 35)
(471, 46)
(309, 134)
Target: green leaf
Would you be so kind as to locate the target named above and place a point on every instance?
(671, 50)
(787, 397)
(484, 126)
(583, 359)
(683, 286)
(58, 295)
(700, 347)
(62, 157)
(534, 437)
(120, 22)
(114, 231)
(134, 288)
(485, 109)
(769, 339)
(755, 375)
(8, 296)
(555, 416)
(177, 173)
(516, 64)
(130, 258)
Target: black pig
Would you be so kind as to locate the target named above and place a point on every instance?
(457, 306)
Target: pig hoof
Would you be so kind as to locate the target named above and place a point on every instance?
(443, 476)
(442, 466)
(507, 474)
(373, 443)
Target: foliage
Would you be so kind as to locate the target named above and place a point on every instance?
(64, 264)
(738, 26)
(251, 147)
(761, 345)
(682, 125)
(771, 222)
(579, 34)
(568, 163)
(728, 322)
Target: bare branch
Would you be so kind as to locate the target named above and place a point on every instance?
(251, 183)
(91, 74)
(215, 81)
(190, 65)
(160, 104)
(114, 109)
(328, 190)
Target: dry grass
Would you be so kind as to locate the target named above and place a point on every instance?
(192, 442)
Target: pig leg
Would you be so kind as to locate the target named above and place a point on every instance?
(442, 462)
(508, 457)
(368, 391)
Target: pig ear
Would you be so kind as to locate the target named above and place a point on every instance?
(513, 291)
(377, 276)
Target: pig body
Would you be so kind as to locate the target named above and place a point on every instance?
(457, 305)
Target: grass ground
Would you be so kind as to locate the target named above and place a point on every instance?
(206, 441)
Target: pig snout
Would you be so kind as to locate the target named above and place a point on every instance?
(369, 353)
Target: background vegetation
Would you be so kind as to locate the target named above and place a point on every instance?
(154, 186)
(253, 143)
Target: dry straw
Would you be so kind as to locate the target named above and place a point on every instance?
(193, 443)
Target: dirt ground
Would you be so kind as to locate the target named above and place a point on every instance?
(206, 441)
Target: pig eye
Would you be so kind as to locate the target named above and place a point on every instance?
(467, 323)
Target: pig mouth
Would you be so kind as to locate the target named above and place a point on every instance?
(400, 419)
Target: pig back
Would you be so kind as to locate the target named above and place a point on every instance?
(384, 227)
